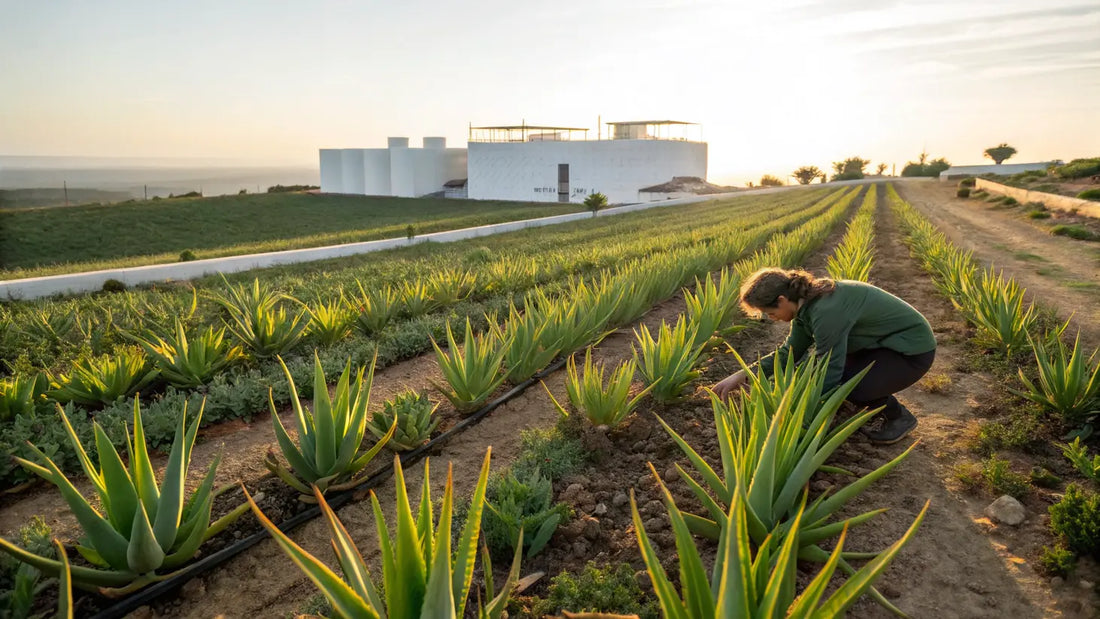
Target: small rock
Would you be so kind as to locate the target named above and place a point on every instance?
(1057, 581)
(644, 481)
(592, 529)
(653, 508)
(639, 447)
(600, 510)
(580, 549)
(642, 578)
(144, 612)
(570, 494)
(1006, 510)
(670, 474)
(977, 587)
(820, 486)
(620, 499)
(1086, 585)
(654, 525)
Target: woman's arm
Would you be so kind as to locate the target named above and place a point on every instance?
(797, 343)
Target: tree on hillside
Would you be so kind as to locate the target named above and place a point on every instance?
(770, 181)
(806, 174)
(1000, 152)
(849, 169)
(880, 170)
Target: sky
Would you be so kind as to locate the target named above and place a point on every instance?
(775, 85)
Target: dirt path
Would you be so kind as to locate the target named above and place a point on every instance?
(960, 564)
(1059, 272)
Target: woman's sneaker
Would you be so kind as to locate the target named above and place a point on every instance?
(893, 430)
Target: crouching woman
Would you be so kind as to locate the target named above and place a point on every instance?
(858, 325)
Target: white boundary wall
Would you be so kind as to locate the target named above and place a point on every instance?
(39, 287)
(1049, 200)
(528, 171)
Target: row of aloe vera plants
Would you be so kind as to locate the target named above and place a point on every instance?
(1068, 382)
(855, 254)
(243, 391)
(146, 528)
(772, 441)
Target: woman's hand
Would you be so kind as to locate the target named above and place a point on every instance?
(736, 381)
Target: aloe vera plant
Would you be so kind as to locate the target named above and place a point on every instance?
(413, 415)
(472, 372)
(145, 527)
(330, 322)
(667, 362)
(190, 362)
(450, 286)
(421, 575)
(375, 308)
(996, 306)
(752, 579)
(20, 395)
(103, 380)
(327, 454)
(416, 298)
(603, 406)
(773, 447)
(531, 345)
(710, 305)
(258, 318)
(518, 504)
(1068, 383)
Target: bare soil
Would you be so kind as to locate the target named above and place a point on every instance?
(1058, 272)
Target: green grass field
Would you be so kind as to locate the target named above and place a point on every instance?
(47, 241)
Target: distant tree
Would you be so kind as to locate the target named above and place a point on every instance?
(806, 174)
(770, 181)
(923, 167)
(880, 170)
(1000, 152)
(595, 201)
(849, 169)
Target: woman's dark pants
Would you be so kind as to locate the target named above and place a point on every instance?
(891, 372)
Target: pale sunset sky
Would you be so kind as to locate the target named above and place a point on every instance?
(775, 85)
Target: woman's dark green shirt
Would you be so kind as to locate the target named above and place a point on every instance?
(854, 317)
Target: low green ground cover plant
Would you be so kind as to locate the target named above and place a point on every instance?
(1075, 231)
(1001, 479)
(596, 589)
(1089, 194)
(1076, 520)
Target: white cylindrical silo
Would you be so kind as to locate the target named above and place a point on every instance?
(352, 160)
(397, 142)
(332, 170)
(435, 143)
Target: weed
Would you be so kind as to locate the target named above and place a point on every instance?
(113, 285)
(1057, 561)
(969, 474)
(524, 503)
(1075, 231)
(549, 451)
(1076, 519)
(1089, 194)
(1038, 214)
(1001, 479)
(935, 383)
(187, 256)
(609, 589)
(1010, 201)
(1021, 430)
(962, 192)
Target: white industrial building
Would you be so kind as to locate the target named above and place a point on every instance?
(525, 163)
(397, 170)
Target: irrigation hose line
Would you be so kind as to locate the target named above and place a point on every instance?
(158, 590)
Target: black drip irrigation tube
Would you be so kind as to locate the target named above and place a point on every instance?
(156, 591)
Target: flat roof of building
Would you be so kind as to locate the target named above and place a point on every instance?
(652, 122)
(534, 127)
